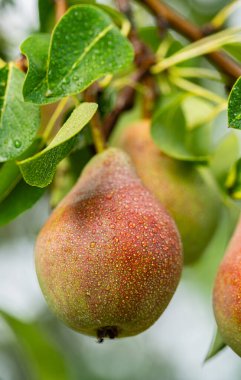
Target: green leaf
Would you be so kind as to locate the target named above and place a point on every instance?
(19, 121)
(198, 48)
(234, 106)
(39, 169)
(10, 174)
(46, 10)
(150, 35)
(171, 134)
(233, 182)
(9, 177)
(85, 46)
(20, 199)
(67, 174)
(42, 355)
(234, 50)
(216, 346)
(15, 195)
(224, 157)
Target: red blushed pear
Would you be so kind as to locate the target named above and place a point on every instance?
(227, 294)
(109, 258)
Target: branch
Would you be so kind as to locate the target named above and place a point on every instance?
(126, 98)
(144, 59)
(163, 12)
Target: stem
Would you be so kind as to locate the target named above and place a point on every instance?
(126, 97)
(193, 33)
(96, 123)
(213, 114)
(60, 9)
(48, 129)
(196, 72)
(197, 90)
(220, 18)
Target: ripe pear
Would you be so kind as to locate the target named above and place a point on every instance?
(227, 293)
(109, 258)
(185, 193)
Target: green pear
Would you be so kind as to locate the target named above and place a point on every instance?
(186, 194)
(109, 258)
(227, 293)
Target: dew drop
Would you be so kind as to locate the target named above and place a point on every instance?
(132, 225)
(92, 244)
(48, 93)
(17, 144)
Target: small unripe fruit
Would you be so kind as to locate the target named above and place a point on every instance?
(109, 257)
(187, 195)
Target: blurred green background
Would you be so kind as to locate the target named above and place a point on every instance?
(35, 346)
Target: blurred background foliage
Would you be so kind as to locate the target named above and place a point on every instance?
(33, 344)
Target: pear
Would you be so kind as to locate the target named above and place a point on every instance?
(227, 294)
(109, 258)
(186, 194)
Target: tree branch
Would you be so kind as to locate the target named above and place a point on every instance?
(162, 12)
(126, 98)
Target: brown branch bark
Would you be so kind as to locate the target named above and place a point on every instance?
(144, 59)
(164, 12)
(126, 98)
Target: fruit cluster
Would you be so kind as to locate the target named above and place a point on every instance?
(110, 256)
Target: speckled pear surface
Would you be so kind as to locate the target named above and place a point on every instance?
(227, 294)
(179, 186)
(109, 258)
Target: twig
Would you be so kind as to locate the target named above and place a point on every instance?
(126, 98)
(125, 8)
(144, 59)
(60, 9)
(91, 95)
(193, 33)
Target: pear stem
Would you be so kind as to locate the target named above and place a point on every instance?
(60, 9)
(48, 130)
(96, 124)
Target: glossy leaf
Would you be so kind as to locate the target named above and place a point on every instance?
(15, 195)
(85, 46)
(20, 199)
(150, 35)
(233, 182)
(234, 50)
(171, 134)
(42, 355)
(216, 346)
(46, 10)
(39, 169)
(67, 174)
(19, 121)
(234, 106)
(9, 177)
(229, 148)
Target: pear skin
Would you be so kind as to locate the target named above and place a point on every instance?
(227, 294)
(192, 202)
(109, 258)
